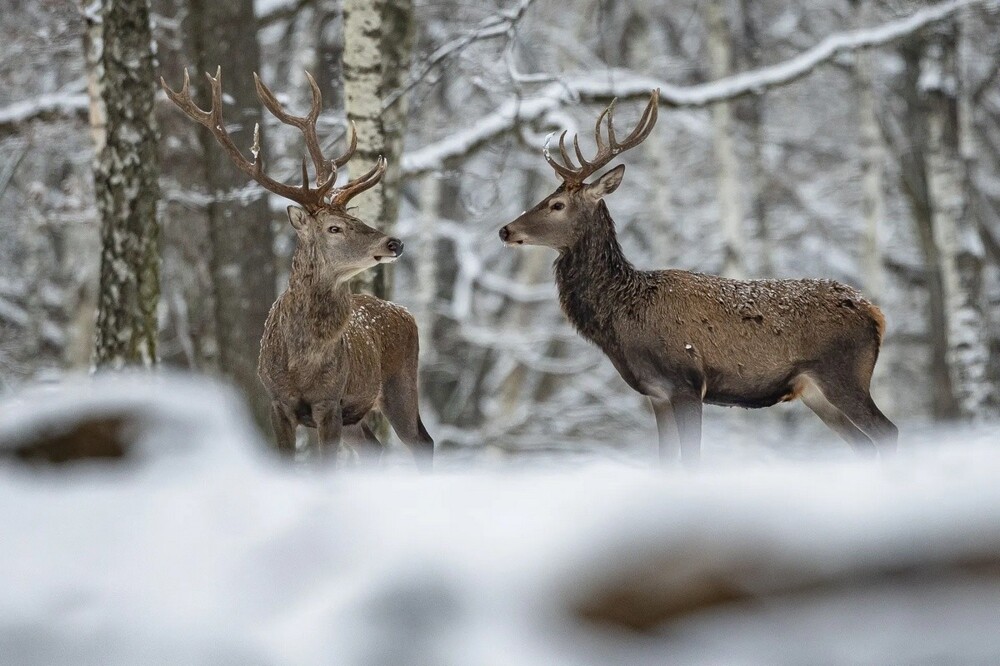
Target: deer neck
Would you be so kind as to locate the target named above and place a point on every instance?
(594, 278)
(320, 300)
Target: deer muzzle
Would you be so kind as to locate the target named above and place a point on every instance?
(394, 248)
(510, 237)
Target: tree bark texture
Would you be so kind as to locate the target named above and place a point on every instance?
(120, 53)
(378, 37)
(720, 58)
(912, 157)
(751, 110)
(242, 262)
(955, 229)
(872, 164)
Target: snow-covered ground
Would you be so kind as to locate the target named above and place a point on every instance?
(200, 548)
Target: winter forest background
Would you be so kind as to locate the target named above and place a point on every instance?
(783, 149)
(850, 139)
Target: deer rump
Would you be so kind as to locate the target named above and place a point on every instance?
(744, 343)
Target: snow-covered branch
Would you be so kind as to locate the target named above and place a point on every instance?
(497, 26)
(624, 84)
(270, 12)
(54, 105)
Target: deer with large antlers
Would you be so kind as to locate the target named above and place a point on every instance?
(683, 339)
(328, 356)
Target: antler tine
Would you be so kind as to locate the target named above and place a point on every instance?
(360, 184)
(574, 176)
(183, 101)
(562, 151)
(579, 153)
(612, 142)
(645, 124)
(566, 173)
(305, 124)
(212, 119)
(597, 127)
(351, 148)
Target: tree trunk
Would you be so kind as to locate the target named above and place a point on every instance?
(751, 110)
(330, 53)
(914, 182)
(956, 232)
(242, 263)
(872, 165)
(720, 57)
(120, 53)
(378, 36)
(426, 273)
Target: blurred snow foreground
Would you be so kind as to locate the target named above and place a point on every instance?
(195, 547)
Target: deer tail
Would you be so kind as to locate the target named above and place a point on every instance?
(879, 320)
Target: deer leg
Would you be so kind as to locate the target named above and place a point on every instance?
(399, 404)
(329, 424)
(866, 415)
(284, 429)
(857, 405)
(362, 440)
(687, 414)
(836, 420)
(666, 429)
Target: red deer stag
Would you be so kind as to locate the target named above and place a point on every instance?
(327, 356)
(684, 339)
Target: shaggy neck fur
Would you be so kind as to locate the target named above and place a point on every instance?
(321, 302)
(594, 278)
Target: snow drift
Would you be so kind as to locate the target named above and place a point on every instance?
(193, 545)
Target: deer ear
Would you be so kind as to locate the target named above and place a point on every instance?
(297, 216)
(607, 183)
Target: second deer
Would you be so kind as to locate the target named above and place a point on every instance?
(328, 356)
(684, 339)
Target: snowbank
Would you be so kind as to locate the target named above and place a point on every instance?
(201, 548)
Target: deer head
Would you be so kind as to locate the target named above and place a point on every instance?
(321, 219)
(556, 221)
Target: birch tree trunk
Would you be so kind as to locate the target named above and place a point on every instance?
(242, 262)
(752, 111)
(955, 230)
(872, 164)
(119, 47)
(911, 152)
(720, 56)
(378, 36)
(430, 202)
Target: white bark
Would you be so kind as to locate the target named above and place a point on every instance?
(430, 202)
(377, 41)
(362, 88)
(730, 210)
(872, 168)
(955, 232)
(119, 48)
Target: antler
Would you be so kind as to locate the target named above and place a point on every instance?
(573, 175)
(326, 170)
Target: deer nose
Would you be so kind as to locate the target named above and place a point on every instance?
(395, 246)
(504, 234)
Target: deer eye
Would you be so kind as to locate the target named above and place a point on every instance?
(559, 205)
(334, 229)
